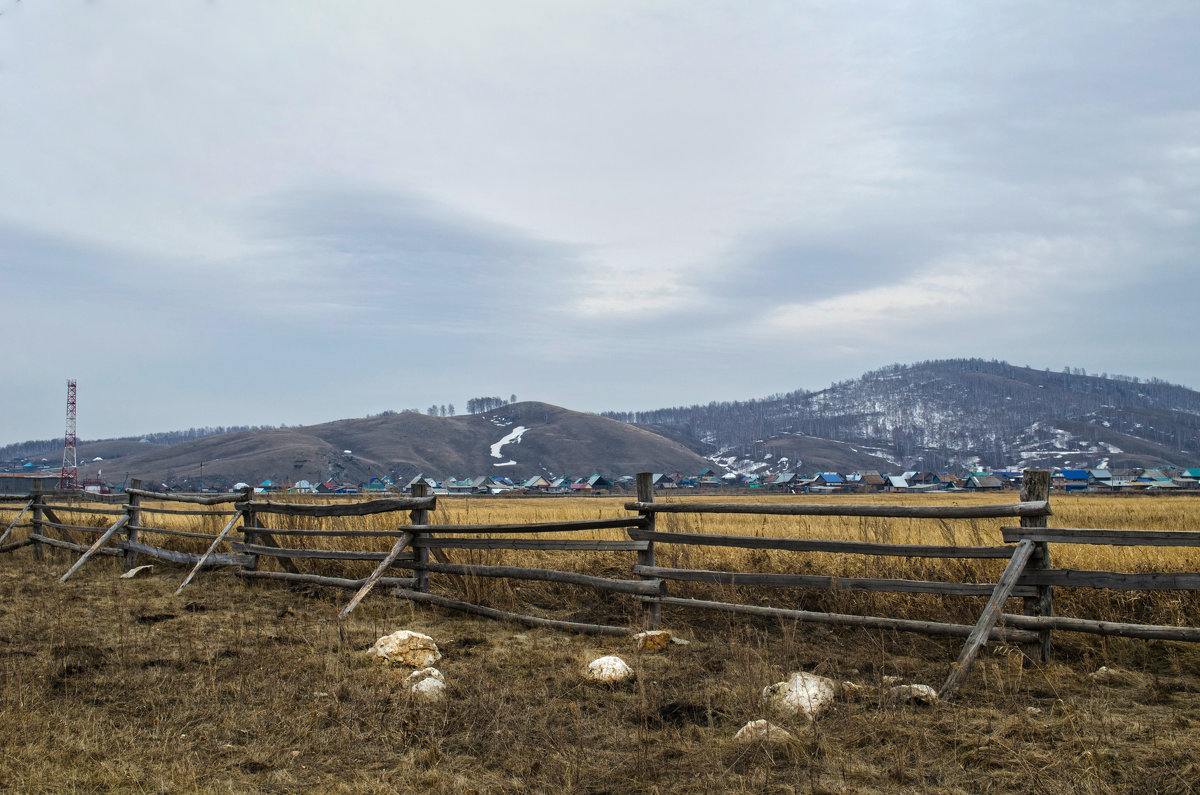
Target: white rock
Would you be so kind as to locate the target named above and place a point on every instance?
(610, 670)
(412, 649)
(430, 689)
(424, 673)
(762, 731)
(653, 640)
(138, 571)
(804, 694)
(912, 694)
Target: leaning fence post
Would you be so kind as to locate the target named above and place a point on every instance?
(1035, 487)
(35, 520)
(651, 611)
(420, 516)
(135, 520)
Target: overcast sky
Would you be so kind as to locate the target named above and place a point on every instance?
(220, 213)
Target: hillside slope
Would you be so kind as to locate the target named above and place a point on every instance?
(537, 439)
(954, 413)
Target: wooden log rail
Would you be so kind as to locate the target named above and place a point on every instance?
(184, 558)
(999, 511)
(874, 584)
(825, 545)
(194, 499)
(367, 508)
(1127, 538)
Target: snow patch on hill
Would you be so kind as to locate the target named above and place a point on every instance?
(513, 437)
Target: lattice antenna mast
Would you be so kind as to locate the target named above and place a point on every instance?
(70, 466)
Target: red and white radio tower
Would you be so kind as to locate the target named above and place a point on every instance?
(70, 467)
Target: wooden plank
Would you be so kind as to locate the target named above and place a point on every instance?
(16, 519)
(38, 538)
(425, 542)
(343, 533)
(317, 579)
(383, 566)
(420, 517)
(824, 545)
(83, 528)
(1035, 485)
(12, 545)
(651, 612)
(366, 508)
(1111, 628)
(133, 507)
(176, 533)
(182, 512)
(1003, 510)
(116, 526)
(81, 509)
(992, 613)
(540, 527)
(504, 615)
(287, 553)
(842, 619)
(211, 549)
(215, 499)
(1083, 578)
(185, 558)
(643, 587)
(765, 579)
(1122, 538)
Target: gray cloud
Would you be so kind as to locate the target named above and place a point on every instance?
(607, 208)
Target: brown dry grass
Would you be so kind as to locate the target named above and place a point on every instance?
(120, 685)
(112, 685)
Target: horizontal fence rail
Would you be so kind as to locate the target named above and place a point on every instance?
(419, 547)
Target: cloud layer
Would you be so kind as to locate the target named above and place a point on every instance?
(233, 213)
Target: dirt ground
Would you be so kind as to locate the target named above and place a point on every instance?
(118, 685)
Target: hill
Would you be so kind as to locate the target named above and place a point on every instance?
(518, 441)
(949, 413)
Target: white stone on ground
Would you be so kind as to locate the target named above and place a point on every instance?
(912, 694)
(610, 670)
(803, 694)
(762, 731)
(404, 647)
(427, 684)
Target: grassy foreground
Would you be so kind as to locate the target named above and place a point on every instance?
(114, 685)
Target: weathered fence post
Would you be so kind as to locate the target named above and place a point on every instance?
(420, 516)
(249, 522)
(1035, 486)
(135, 521)
(35, 520)
(651, 611)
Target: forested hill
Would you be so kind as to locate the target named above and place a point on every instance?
(954, 412)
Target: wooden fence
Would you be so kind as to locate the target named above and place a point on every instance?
(419, 546)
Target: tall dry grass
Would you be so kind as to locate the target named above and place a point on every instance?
(558, 600)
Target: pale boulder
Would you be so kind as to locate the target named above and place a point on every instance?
(912, 694)
(610, 670)
(427, 685)
(411, 649)
(763, 731)
(803, 694)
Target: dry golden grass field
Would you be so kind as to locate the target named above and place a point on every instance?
(119, 685)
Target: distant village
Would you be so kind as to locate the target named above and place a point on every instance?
(1163, 480)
